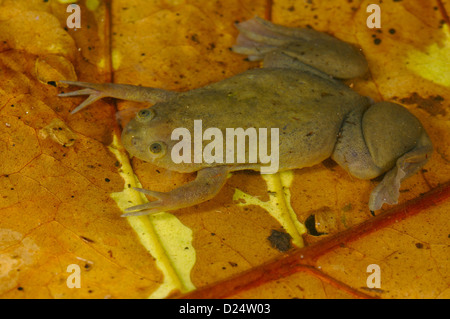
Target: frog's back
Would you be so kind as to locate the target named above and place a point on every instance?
(307, 109)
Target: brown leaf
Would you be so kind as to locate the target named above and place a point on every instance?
(406, 242)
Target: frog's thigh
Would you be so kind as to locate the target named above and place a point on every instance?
(351, 151)
(397, 142)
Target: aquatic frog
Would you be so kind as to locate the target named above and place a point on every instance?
(300, 92)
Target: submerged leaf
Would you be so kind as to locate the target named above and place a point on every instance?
(65, 179)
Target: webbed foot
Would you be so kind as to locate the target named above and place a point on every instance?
(129, 92)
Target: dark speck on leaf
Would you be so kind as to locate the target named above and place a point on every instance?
(280, 240)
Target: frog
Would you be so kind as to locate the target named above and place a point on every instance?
(300, 89)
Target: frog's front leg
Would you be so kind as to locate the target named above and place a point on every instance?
(207, 184)
(259, 37)
(119, 91)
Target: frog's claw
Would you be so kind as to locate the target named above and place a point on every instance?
(207, 184)
(94, 95)
(97, 91)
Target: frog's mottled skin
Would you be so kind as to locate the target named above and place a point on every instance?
(296, 91)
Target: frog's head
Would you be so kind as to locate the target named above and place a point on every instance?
(147, 137)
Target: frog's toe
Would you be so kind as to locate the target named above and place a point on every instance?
(161, 204)
(388, 190)
(142, 206)
(77, 93)
(128, 92)
(160, 196)
(145, 209)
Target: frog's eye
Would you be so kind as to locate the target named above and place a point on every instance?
(145, 115)
(157, 149)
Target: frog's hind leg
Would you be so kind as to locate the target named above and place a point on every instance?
(207, 184)
(388, 190)
(321, 51)
(384, 138)
(120, 91)
(398, 143)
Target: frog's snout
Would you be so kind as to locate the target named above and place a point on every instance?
(130, 137)
(129, 129)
